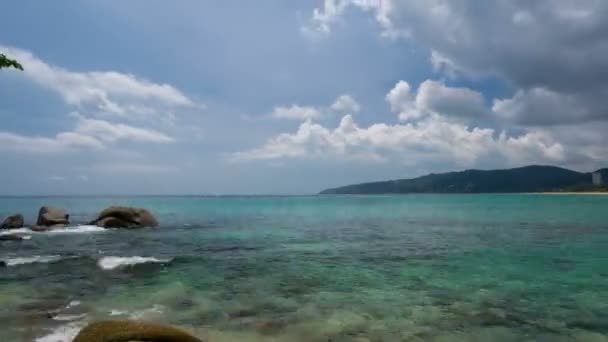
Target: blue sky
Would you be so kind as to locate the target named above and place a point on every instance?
(290, 97)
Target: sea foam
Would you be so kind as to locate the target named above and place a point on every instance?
(64, 333)
(113, 262)
(31, 260)
(80, 229)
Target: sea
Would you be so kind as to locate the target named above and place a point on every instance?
(448, 268)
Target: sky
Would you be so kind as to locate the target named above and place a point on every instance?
(292, 97)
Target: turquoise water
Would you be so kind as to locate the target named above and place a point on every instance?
(352, 268)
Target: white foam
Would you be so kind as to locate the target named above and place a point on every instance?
(16, 231)
(64, 333)
(113, 262)
(80, 229)
(76, 230)
(31, 260)
(72, 304)
(118, 313)
(155, 311)
(69, 317)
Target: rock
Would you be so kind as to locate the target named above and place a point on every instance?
(123, 331)
(12, 222)
(52, 217)
(125, 217)
(10, 238)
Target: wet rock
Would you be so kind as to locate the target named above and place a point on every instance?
(13, 222)
(123, 331)
(125, 217)
(51, 217)
(10, 238)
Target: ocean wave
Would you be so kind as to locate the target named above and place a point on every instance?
(79, 229)
(155, 311)
(70, 318)
(31, 260)
(113, 262)
(17, 231)
(63, 333)
(72, 304)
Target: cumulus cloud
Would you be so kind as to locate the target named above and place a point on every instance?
(296, 112)
(325, 17)
(403, 101)
(541, 106)
(104, 91)
(88, 134)
(428, 135)
(428, 140)
(434, 97)
(523, 41)
(342, 104)
(553, 51)
(346, 104)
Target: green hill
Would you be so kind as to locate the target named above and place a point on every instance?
(524, 179)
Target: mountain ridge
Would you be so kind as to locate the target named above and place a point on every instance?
(531, 178)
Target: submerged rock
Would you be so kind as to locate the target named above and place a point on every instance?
(123, 331)
(12, 222)
(51, 217)
(125, 217)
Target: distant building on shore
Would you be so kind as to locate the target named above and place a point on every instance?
(596, 178)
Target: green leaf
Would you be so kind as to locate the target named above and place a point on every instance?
(6, 62)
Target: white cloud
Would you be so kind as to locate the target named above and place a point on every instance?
(434, 97)
(403, 101)
(325, 17)
(88, 134)
(343, 104)
(428, 140)
(433, 137)
(108, 92)
(541, 106)
(111, 132)
(35, 144)
(346, 104)
(296, 112)
(552, 51)
(103, 91)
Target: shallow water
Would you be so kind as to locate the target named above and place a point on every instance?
(352, 268)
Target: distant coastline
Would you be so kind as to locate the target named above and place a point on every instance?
(537, 179)
(569, 193)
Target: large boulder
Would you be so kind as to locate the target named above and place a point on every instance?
(124, 331)
(49, 217)
(12, 222)
(125, 217)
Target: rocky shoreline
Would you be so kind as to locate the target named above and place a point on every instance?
(51, 218)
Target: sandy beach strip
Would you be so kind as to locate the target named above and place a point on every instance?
(569, 193)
